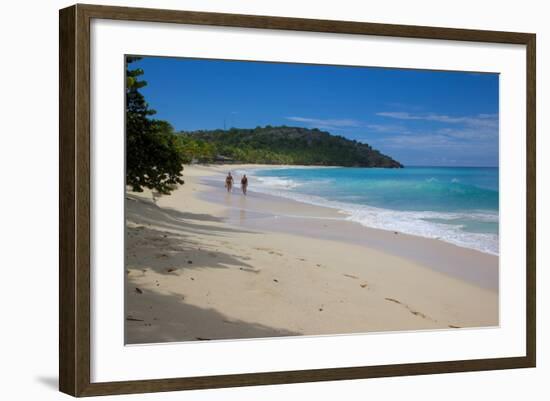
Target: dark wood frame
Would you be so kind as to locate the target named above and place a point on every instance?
(74, 199)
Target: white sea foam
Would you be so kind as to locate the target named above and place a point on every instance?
(407, 222)
(415, 223)
(274, 182)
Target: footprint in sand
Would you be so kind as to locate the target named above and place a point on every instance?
(249, 270)
(269, 250)
(155, 239)
(414, 312)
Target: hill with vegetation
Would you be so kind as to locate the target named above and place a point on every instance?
(281, 145)
(156, 153)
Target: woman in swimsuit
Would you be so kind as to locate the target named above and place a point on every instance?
(229, 182)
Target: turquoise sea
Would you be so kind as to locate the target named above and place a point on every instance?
(459, 205)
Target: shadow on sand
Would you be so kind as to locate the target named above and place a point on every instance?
(164, 240)
(189, 323)
(169, 235)
(143, 211)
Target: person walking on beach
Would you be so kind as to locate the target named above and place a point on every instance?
(229, 182)
(244, 183)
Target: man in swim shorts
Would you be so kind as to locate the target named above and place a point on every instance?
(244, 184)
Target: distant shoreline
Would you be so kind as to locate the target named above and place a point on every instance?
(323, 166)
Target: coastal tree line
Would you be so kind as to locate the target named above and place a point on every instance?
(288, 145)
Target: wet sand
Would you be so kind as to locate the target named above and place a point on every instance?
(261, 211)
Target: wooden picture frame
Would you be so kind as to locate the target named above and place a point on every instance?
(74, 199)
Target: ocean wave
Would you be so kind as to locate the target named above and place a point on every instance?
(448, 226)
(417, 223)
(275, 182)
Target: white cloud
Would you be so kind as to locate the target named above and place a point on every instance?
(467, 134)
(478, 121)
(345, 123)
(419, 141)
(478, 134)
(388, 129)
(326, 123)
(437, 142)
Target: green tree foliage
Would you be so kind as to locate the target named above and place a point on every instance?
(154, 158)
(282, 145)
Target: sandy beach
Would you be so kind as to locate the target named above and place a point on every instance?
(202, 264)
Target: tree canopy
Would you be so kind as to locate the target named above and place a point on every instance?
(153, 155)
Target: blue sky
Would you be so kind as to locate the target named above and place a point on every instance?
(418, 117)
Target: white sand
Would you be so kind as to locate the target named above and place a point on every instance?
(194, 272)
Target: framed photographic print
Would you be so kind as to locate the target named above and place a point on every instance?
(250, 200)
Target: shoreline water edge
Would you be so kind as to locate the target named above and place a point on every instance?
(205, 264)
(454, 214)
